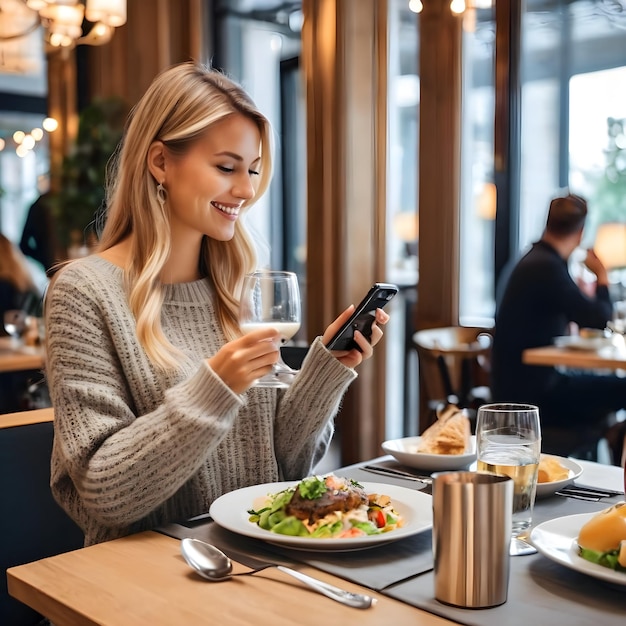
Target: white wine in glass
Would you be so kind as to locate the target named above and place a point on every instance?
(271, 299)
(508, 441)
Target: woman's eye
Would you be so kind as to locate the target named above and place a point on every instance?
(226, 170)
(253, 172)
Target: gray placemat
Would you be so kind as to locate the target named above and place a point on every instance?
(541, 593)
(375, 568)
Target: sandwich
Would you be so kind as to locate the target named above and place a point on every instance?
(602, 539)
(450, 434)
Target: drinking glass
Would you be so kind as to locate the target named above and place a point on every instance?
(16, 323)
(271, 299)
(508, 441)
(618, 323)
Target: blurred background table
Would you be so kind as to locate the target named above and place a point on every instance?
(611, 357)
(15, 357)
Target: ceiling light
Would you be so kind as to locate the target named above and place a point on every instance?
(62, 20)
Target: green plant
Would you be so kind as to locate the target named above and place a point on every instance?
(81, 193)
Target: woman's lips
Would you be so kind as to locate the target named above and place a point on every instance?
(230, 211)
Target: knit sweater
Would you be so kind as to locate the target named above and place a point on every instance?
(135, 446)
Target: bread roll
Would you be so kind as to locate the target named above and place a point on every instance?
(550, 469)
(450, 434)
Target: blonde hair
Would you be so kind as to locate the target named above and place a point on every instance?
(14, 268)
(182, 102)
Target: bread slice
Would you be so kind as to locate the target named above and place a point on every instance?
(450, 434)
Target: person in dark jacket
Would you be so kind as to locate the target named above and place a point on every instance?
(540, 301)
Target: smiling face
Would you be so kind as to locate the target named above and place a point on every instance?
(207, 186)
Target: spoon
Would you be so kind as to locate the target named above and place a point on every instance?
(211, 563)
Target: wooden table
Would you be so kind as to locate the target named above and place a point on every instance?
(15, 358)
(143, 580)
(609, 358)
(25, 418)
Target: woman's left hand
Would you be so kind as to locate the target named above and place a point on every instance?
(352, 358)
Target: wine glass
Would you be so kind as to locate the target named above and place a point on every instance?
(271, 299)
(618, 323)
(16, 323)
(508, 441)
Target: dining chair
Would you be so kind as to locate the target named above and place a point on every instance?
(453, 366)
(32, 525)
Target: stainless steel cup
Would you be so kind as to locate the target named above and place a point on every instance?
(471, 537)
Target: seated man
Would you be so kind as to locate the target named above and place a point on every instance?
(539, 301)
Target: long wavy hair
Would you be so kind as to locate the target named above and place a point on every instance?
(178, 107)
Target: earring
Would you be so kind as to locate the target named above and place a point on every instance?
(161, 195)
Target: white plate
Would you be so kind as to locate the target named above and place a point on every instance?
(574, 342)
(231, 512)
(575, 470)
(404, 451)
(556, 539)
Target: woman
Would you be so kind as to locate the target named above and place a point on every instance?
(150, 377)
(17, 288)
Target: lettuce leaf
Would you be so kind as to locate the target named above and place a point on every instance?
(606, 559)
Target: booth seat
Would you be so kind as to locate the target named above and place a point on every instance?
(32, 525)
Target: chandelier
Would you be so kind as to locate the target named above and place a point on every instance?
(62, 20)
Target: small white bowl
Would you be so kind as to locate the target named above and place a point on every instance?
(548, 489)
(404, 451)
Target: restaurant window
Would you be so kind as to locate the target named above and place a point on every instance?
(478, 193)
(402, 214)
(258, 44)
(573, 112)
(24, 149)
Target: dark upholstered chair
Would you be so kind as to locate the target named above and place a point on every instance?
(32, 525)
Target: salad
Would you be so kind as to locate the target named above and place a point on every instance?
(325, 507)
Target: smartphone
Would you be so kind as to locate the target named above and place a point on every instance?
(363, 317)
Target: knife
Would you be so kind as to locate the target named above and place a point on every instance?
(389, 471)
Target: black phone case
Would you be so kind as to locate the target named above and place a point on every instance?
(363, 317)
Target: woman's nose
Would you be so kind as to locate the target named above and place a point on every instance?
(244, 188)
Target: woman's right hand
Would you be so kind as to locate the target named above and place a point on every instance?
(242, 361)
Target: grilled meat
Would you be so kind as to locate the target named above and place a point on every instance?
(344, 499)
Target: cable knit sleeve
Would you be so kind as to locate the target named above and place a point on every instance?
(304, 425)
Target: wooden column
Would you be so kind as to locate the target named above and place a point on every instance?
(62, 107)
(439, 165)
(439, 173)
(344, 60)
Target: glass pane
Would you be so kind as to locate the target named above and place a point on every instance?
(574, 81)
(478, 199)
(260, 49)
(402, 215)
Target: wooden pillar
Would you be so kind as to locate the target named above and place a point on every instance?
(344, 60)
(62, 107)
(439, 173)
(439, 165)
